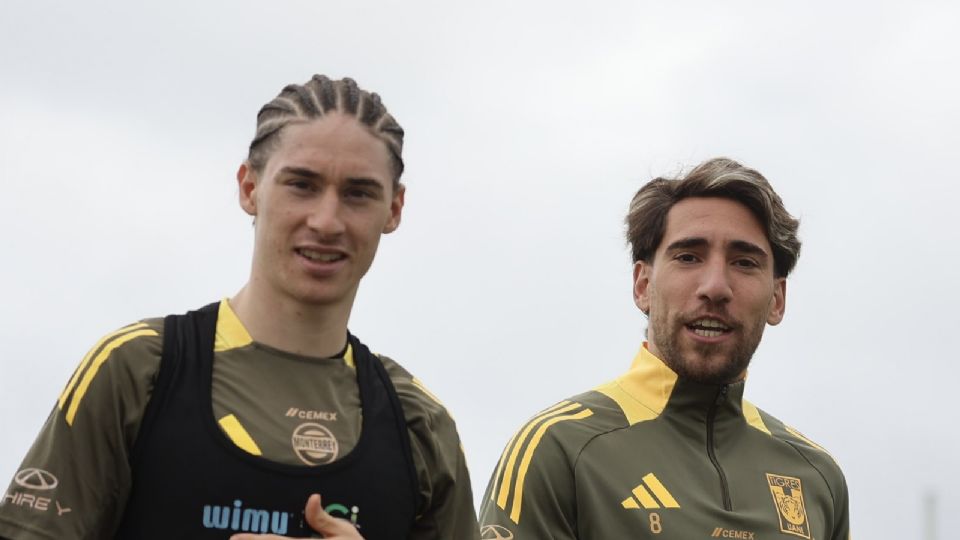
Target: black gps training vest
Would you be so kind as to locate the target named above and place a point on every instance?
(191, 481)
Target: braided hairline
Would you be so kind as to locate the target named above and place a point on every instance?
(719, 177)
(316, 98)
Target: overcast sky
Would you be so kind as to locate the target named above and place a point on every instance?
(529, 126)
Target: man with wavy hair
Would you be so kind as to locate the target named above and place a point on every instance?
(671, 449)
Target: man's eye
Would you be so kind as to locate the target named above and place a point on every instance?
(746, 263)
(359, 194)
(301, 184)
(686, 257)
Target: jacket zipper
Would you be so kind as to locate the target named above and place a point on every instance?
(711, 416)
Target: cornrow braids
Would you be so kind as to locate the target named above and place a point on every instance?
(316, 98)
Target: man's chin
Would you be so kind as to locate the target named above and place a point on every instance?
(711, 369)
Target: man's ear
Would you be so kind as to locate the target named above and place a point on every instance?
(641, 285)
(396, 209)
(247, 182)
(778, 304)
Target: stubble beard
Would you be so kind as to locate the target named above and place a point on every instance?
(703, 362)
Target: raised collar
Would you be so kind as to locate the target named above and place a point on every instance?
(650, 387)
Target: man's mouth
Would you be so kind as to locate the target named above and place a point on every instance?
(709, 328)
(320, 256)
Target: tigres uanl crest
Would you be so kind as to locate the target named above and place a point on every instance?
(788, 496)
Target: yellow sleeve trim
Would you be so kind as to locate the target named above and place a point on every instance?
(89, 356)
(419, 384)
(527, 440)
(752, 414)
(98, 361)
(528, 457)
(518, 441)
(231, 426)
(804, 438)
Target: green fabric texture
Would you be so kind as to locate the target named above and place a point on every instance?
(271, 394)
(666, 459)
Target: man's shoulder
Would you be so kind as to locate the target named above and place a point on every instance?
(132, 344)
(568, 426)
(817, 455)
(420, 404)
(128, 357)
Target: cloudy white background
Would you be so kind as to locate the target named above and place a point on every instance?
(529, 126)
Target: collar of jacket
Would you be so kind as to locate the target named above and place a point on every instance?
(656, 387)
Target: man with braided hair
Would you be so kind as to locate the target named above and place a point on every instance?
(670, 450)
(227, 420)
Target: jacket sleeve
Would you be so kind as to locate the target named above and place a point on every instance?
(74, 480)
(445, 507)
(531, 494)
(842, 511)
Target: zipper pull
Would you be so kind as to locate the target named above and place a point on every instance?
(722, 395)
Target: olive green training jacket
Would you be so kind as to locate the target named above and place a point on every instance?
(650, 455)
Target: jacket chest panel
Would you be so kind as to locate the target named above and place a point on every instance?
(670, 489)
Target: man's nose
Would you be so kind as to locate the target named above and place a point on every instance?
(714, 285)
(326, 214)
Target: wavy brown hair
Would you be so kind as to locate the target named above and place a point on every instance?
(719, 177)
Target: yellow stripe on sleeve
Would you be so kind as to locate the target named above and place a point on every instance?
(98, 361)
(232, 427)
(528, 457)
(803, 437)
(503, 456)
(515, 453)
(88, 356)
(416, 382)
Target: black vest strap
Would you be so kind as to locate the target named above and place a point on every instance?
(191, 481)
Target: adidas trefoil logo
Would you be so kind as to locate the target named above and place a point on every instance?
(650, 494)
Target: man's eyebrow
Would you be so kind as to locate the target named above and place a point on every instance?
(365, 182)
(687, 243)
(301, 171)
(748, 247)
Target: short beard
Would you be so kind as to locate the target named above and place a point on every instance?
(715, 369)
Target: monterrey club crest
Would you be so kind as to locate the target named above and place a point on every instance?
(314, 444)
(788, 496)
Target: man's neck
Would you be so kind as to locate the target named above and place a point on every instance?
(291, 326)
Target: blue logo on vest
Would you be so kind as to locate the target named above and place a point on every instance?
(238, 518)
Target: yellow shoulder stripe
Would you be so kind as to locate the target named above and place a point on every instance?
(752, 414)
(88, 356)
(97, 362)
(518, 441)
(419, 384)
(804, 438)
(232, 427)
(527, 439)
(528, 456)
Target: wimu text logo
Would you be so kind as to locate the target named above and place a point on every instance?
(238, 518)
